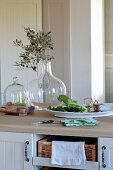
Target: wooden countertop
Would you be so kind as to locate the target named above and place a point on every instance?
(24, 124)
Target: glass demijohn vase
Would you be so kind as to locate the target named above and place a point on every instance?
(44, 90)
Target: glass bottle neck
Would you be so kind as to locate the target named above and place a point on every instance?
(46, 67)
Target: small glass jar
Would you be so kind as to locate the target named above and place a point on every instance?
(15, 94)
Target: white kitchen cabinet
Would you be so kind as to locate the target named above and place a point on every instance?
(16, 151)
(105, 153)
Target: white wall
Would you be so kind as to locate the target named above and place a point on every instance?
(80, 48)
(86, 48)
(56, 19)
(14, 16)
(97, 49)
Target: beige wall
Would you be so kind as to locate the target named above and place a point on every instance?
(87, 59)
(80, 49)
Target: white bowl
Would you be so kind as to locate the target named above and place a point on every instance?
(106, 107)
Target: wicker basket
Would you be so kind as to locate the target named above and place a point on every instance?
(45, 145)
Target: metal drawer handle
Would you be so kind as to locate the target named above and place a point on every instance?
(103, 157)
(26, 151)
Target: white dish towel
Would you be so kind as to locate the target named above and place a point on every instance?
(68, 153)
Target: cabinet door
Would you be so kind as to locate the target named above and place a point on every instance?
(15, 151)
(106, 153)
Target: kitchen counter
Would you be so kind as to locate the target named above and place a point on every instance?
(24, 124)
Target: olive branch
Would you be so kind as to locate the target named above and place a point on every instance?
(39, 44)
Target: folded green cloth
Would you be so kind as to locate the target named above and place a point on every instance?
(80, 122)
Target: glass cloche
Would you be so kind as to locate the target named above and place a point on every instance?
(15, 94)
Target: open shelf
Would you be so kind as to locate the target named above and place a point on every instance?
(40, 161)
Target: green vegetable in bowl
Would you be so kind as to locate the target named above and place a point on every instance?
(70, 105)
(67, 100)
